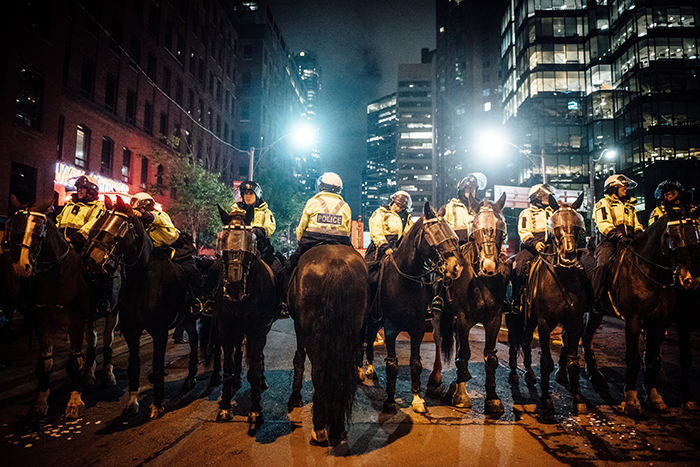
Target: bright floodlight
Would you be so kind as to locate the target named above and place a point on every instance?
(491, 142)
(304, 134)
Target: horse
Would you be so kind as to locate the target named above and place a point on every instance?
(245, 306)
(327, 299)
(478, 296)
(558, 292)
(640, 289)
(153, 296)
(401, 295)
(57, 296)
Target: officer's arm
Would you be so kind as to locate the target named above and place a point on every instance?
(376, 232)
(270, 224)
(525, 229)
(603, 218)
(304, 221)
(347, 219)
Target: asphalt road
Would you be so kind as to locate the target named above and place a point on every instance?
(189, 435)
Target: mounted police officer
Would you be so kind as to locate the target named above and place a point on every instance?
(388, 224)
(534, 237)
(456, 214)
(170, 241)
(617, 222)
(81, 211)
(669, 195)
(258, 215)
(326, 218)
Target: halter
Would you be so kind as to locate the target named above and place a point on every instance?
(485, 226)
(113, 229)
(563, 223)
(442, 239)
(238, 251)
(33, 239)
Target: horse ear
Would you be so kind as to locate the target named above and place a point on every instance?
(15, 205)
(553, 202)
(428, 211)
(109, 204)
(502, 201)
(579, 201)
(44, 208)
(473, 204)
(121, 205)
(225, 217)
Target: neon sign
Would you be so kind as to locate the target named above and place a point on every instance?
(66, 175)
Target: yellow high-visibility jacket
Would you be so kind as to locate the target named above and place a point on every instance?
(162, 230)
(262, 217)
(80, 216)
(385, 222)
(611, 212)
(458, 216)
(532, 225)
(326, 213)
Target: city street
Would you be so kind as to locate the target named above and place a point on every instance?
(188, 435)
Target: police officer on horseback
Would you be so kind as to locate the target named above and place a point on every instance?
(617, 223)
(388, 224)
(457, 215)
(534, 237)
(81, 211)
(326, 218)
(669, 195)
(169, 240)
(258, 215)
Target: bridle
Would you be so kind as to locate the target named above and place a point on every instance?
(238, 250)
(112, 230)
(33, 238)
(488, 233)
(566, 224)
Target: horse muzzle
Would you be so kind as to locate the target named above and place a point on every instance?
(22, 269)
(488, 267)
(453, 268)
(687, 280)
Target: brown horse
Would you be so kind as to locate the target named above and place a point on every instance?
(57, 295)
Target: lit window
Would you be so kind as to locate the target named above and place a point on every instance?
(487, 106)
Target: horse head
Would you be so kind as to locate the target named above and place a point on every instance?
(681, 241)
(488, 231)
(112, 235)
(25, 235)
(442, 244)
(238, 250)
(566, 225)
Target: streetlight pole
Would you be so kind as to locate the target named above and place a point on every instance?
(251, 158)
(544, 168)
(591, 181)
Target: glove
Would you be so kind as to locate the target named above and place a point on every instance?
(615, 236)
(539, 246)
(259, 232)
(389, 251)
(77, 241)
(625, 241)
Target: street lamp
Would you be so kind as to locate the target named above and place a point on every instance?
(303, 135)
(609, 153)
(491, 139)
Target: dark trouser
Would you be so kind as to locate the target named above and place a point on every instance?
(523, 260)
(603, 252)
(311, 239)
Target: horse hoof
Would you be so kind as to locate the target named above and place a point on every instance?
(597, 378)
(389, 407)
(37, 412)
(513, 378)
(418, 404)
(434, 381)
(360, 374)
(188, 385)
(215, 381)
(461, 401)
(494, 407)
(319, 438)
(530, 376)
(370, 373)
(561, 377)
(131, 410)
(108, 378)
(656, 401)
(88, 379)
(546, 406)
(580, 408)
(690, 404)
(156, 412)
(631, 406)
(255, 419)
(224, 415)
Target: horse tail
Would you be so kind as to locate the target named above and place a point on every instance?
(446, 334)
(336, 341)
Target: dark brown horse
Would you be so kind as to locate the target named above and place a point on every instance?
(245, 308)
(153, 296)
(57, 296)
(401, 294)
(328, 301)
(478, 297)
(558, 292)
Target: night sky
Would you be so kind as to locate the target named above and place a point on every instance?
(359, 45)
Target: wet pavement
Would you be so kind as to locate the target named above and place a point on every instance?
(189, 435)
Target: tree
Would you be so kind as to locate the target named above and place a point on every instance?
(196, 192)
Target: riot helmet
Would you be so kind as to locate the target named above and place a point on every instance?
(329, 181)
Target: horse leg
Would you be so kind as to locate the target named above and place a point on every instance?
(90, 354)
(133, 370)
(157, 376)
(76, 406)
(546, 368)
(561, 375)
(191, 328)
(686, 359)
(255, 345)
(392, 367)
(492, 404)
(593, 321)
(655, 337)
(372, 331)
(40, 407)
(418, 403)
(231, 379)
(515, 326)
(631, 405)
(460, 398)
(435, 378)
(299, 360)
(108, 378)
(573, 369)
(526, 343)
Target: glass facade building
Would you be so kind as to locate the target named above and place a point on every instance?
(379, 176)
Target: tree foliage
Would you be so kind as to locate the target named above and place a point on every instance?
(197, 192)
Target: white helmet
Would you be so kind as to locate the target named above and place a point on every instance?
(329, 181)
(402, 199)
(475, 180)
(539, 189)
(142, 200)
(619, 180)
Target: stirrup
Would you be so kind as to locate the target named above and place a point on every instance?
(208, 308)
(197, 307)
(436, 305)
